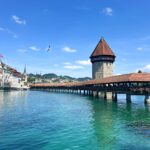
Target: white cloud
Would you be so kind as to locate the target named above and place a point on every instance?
(14, 35)
(140, 48)
(18, 20)
(68, 49)
(73, 67)
(22, 50)
(117, 74)
(108, 11)
(34, 48)
(67, 63)
(84, 62)
(146, 68)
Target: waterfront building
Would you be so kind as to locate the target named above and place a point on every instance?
(102, 60)
(11, 78)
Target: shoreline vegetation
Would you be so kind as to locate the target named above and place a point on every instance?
(53, 78)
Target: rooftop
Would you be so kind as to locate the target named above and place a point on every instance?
(102, 48)
(133, 77)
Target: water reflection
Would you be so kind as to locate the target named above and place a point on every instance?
(44, 120)
(1, 98)
(120, 125)
(12, 98)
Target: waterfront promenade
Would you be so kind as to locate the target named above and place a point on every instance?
(107, 88)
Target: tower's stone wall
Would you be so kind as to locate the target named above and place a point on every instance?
(102, 70)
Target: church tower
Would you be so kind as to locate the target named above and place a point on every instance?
(102, 60)
(25, 76)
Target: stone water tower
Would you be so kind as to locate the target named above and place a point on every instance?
(102, 60)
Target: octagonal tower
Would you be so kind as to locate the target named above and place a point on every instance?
(102, 60)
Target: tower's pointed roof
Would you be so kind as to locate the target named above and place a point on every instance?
(102, 48)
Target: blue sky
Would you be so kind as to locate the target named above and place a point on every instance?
(73, 29)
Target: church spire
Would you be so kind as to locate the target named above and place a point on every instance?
(25, 71)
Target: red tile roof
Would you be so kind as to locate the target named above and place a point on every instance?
(133, 77)
(102, 48)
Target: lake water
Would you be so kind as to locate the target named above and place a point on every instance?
(36, 120)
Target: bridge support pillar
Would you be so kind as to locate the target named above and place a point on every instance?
(109, 95)
(105, 95)
(87, 92)
(128, 98)
(80, 92)
(83, 92)
(114, 96)
(97, 94)
(147, 99)
(101, 95)
(90, 93)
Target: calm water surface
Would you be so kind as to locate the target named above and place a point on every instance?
(34, 120)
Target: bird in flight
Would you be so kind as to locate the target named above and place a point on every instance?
(49, 48)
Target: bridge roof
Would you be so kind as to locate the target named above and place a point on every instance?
(102, 48)
(133, 77)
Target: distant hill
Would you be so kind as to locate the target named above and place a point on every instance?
(51, 77)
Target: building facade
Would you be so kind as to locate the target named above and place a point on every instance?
(11, 78)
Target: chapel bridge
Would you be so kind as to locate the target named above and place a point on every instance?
(129, 84)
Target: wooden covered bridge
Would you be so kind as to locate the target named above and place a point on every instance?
(129, 84)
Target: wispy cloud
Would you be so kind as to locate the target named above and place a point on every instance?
(67, 63)
(22, 50)
(34, 48)
(84, 8)
(146, 38)
(107, 11)
(73, 67)
(84, 62)
(2, 29)
(14, 35)
(68, 49)
(144, 48)
(56, 65)
(146, 68)
(19, 20)
(140, 48)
